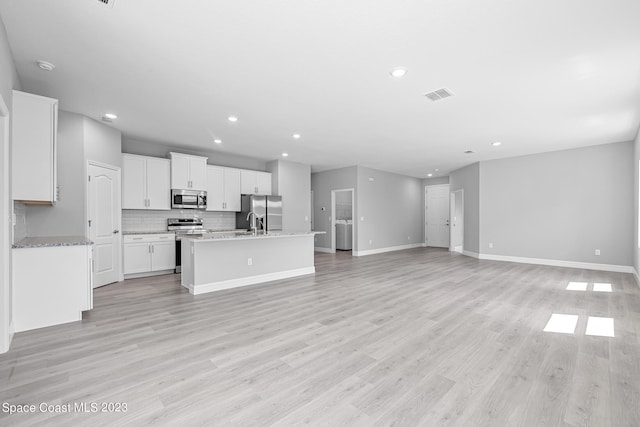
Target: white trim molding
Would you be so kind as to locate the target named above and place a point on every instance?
(389, 249)
(471, 254)
(324, 250)
(558, 263)
(251, 280)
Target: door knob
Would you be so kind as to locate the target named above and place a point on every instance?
(116, 231)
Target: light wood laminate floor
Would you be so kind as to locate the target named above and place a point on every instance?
(421, 337)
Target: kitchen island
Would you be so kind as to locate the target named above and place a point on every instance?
(222, 261)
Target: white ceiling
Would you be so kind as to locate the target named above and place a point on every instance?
(537, 76)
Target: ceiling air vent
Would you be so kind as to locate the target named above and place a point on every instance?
(108, 3)
(439, 94)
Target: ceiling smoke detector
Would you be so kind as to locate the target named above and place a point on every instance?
(46, 66)
(439, 94)
(108, 3)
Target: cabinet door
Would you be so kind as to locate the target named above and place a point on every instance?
(158, 184)
(137, 258)
(180, 172)
(248, 182)
(163, 255)
(232, 190)
(34, 128)
(198, 173)
(215, 188)
(263, 182)
(133, 182)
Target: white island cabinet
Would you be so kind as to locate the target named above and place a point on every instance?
(212, 263)
(52, 281)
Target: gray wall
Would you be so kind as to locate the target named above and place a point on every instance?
(322, 183)
(102, 143)
(636, 214)
(440, 180)
(292, 181)
(79, 139)
(8, 82)
(560, 205)
(66, 218)
(392, 206)
(218, 158)
(468, 179)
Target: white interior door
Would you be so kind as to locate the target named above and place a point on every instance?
(437, 216)
(457, 221)
(104, 223)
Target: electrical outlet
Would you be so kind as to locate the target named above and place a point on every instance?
(361, 218)
(408, 237)
(597, 251)
(371, 242)
(249, 261)
(306, 218)
(490, 245)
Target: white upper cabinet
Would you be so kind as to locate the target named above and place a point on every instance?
(223, 189)
(188, 172)
(145, 183)
(35, 127)
(255, 182)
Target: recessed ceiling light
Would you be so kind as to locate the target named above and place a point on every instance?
(469, 151)
(110, 116)
(233, 119)
(296, 136)
(398, 72)
(285, 154)
(217, 141)
(46, 66)
(496, 144)
(429, 174)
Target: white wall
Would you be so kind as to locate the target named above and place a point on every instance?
(392, 206)
(468, 179)
(636, 210)
(292, 181)
(322, 183)
(102, 143)
(561, 205)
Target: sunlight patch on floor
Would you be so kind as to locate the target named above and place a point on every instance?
(562, 323)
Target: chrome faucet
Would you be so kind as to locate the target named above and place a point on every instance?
(253, 226)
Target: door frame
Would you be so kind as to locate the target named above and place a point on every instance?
(452, 211)
(426, 205)
(120, 253)
(333, 219)
(6, 231)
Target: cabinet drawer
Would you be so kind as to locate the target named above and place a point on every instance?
(149, 238)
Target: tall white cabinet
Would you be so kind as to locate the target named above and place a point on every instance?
(35, 128)
(146, 183)
(188, 172)
(223, 189)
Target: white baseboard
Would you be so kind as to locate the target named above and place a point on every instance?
(636, 276)
(251, 280)
(324, 250)
(557, 263)
(471, 254)
(148, 274)
(389, 249)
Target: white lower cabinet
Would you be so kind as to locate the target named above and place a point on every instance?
(149, 254)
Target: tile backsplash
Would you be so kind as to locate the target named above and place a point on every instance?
(142, 220)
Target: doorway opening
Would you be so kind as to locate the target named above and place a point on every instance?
(342, 208)
(436, 215)
(456, 213)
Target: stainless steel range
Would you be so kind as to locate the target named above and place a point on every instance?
(184, 227)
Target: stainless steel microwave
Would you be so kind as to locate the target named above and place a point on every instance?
(188, 199)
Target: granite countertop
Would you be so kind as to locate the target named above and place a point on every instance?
(246, 236)
(49, 242)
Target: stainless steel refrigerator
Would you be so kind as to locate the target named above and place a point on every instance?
(267, 209)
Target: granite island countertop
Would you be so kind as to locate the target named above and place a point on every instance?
(53, 241)
(233, 235)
